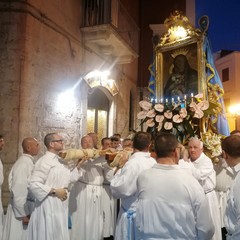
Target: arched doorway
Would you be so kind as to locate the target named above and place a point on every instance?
(98, 109)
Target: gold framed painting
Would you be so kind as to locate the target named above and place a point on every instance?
(180, 66)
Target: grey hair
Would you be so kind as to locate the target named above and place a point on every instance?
(196, 139)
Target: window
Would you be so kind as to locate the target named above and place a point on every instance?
(225, 74)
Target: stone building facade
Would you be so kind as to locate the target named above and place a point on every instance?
(46, 47)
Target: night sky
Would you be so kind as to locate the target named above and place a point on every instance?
(224, 23)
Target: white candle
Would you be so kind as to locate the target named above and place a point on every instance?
(161, 100)
(178, 99)
(192, 96)
(166, 100)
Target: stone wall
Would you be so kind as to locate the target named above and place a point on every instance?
(42, 55)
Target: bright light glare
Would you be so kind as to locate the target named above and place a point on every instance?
(178, 32)
(97, 74)
(66, 101)
(235, 109)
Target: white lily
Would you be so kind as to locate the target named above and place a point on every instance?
(145, 105)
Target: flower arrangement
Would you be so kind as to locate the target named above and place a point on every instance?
(180, 118)
(212, 144)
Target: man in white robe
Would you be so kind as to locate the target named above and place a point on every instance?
(49, 184)
(21, 201)
(124, 184)
(203, 171)
(171, 203)
(224, 180)
(109, 203)
(231, 153)
(85, 205)
(1, 182)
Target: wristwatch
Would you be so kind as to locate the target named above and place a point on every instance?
(53, 192)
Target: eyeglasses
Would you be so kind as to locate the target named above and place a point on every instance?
(60, 140)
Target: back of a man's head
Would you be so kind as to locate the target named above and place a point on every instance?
(165, 144)
(141, 141)
(231, 145)
(235, 132)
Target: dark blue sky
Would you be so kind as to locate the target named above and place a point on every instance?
(224, 22)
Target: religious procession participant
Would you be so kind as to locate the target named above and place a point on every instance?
(124, 184)
(109, 203)
(224, 180)
(49, 185)
(203, 171)
(94, 137)
(85, 206)
(171, 204)
(2, 143)
(21, 201)
(231, 153)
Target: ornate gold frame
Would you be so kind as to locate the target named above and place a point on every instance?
(169, 43)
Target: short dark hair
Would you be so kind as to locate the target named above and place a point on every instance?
(114, 139)
(105, 138)
(234, 132)
(141, 141)
(1, 136)
(164, 145)
(231, 145)
(48, 138)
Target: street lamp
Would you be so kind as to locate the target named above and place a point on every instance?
(235, 111)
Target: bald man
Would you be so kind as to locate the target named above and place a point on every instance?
(203, 171)
(21, 201)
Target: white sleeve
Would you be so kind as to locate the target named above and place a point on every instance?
(124, 182)
(37, 181)
(205, 175)
(19, 189)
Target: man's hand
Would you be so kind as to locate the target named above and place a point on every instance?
(25, 220)
(60, 193)
(80, 162)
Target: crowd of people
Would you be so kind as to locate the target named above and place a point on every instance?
(176, 194)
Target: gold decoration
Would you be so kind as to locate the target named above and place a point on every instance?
(182, 51)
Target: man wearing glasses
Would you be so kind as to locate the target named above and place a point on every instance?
(49, 185)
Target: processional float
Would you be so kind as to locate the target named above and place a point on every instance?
(185, 91)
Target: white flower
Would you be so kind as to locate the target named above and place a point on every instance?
(159, 127)
(142, 115)
(159, 107)
(151, 113)
(183, 112)
(145, 105)
(150, 122)
(159, 118)
(200, 95)
(199, 108)
(168, 125)
(198, 114)
(168, 114)
(177, 118)
(204, 105)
